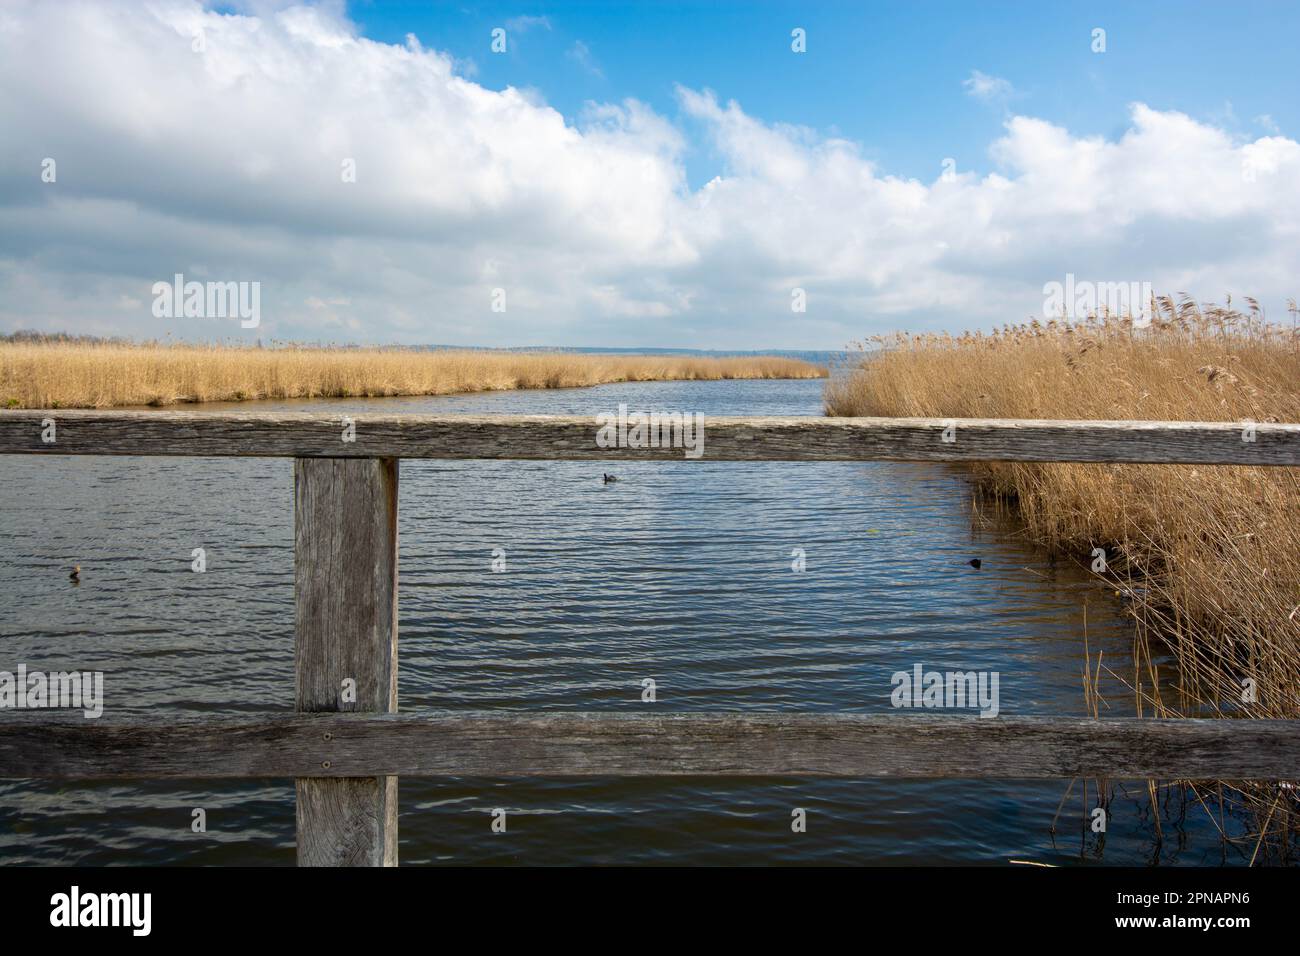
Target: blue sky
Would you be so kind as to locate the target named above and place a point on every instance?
(639, 174)
(887, 75)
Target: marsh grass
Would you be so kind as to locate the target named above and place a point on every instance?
(1205, 558)
(85, 375)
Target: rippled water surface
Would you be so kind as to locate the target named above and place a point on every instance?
(680, 572)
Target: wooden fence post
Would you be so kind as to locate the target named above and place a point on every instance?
(345, 646)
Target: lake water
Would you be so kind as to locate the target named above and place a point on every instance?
(680, 572)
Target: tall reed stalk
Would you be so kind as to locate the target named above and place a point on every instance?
(1207, 559)
(81, 375)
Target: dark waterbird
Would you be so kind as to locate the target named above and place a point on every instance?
(609, 478)
(975, 563)
(75, 576)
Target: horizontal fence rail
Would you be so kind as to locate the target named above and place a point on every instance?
(792, 438)
(583, 745)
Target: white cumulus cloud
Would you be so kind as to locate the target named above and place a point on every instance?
(229, 163)
(991, 89)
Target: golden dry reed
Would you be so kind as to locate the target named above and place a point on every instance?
(78, 375)
(1206, 558)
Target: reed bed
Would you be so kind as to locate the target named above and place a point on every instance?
(84, 375)
(1207, 559)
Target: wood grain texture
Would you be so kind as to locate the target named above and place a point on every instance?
(583, 745)
(574, 438)
(345, 585)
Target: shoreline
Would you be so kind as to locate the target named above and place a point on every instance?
(60, 375)
(1203, 556)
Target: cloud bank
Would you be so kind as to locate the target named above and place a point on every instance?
(219, 146)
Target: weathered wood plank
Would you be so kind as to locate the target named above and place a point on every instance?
(574, 438)
(581, 745)
(345, 650)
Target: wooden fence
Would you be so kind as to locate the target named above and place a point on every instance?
(346, 757)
